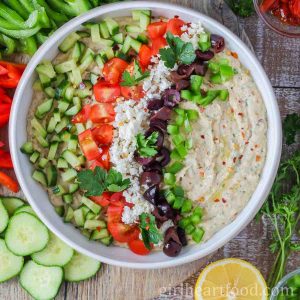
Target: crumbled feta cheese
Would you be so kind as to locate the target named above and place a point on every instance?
(192, 33)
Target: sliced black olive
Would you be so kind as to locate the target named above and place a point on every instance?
(155, 104)
(163, 114)
(152, 194)
(172, 243)
(186, 70)
(204, 56)
(163, 156)
(160, 124)
(182, 236)
(217, 42)
(200, 69)
(153, 167)
(143, 160)
(171, 98)
(182, 85)
(150, 178)
(176, 77)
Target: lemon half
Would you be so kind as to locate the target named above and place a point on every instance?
(231, 279)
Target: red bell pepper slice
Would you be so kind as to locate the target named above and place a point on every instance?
(5, 160)
(9, 182)
(13, 75)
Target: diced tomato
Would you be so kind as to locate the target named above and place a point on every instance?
(117, 199)
(114, 213)
(145, 55)
(138, 247)
(103, 134)
(294, 6)
(102, 113)
(123, 233)
(113, 70)
(9, 182)
(157, 29)
(105, 92)
(83, 115)
(266, 5)
(88, 145)
(132, 92)
(94, 164)
(102, 200)
(157, 44)
(104, 158)
(174, 26)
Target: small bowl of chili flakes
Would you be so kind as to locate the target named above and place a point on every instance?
(282, 16)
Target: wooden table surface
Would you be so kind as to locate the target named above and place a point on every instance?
(280, 58)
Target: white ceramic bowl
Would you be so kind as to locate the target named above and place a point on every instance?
(116, 255)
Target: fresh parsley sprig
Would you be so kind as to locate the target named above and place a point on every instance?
(146, 147)
(94, 183)
(136, 78)
(149, 230)
(179, 51)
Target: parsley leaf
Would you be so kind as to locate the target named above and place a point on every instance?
(291, 126)
(146, 147)
(92, 182)
(179, 51)
(115, 182)
(149, 231)
(138, 75)
(97, 181)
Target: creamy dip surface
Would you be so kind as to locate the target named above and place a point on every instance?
(224, 166)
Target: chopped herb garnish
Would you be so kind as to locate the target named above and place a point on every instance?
(94, 183)
(138, 75)
(149, 231)
(146, 147)
(291, 126)
(179, 51)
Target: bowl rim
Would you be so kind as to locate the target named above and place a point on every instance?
(241, 221)
(269, 24)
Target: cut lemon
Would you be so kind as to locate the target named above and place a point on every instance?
(231, 279)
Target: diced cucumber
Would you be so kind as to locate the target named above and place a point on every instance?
(73, 187)
(68, 198)
(118, 38)
(25, 208)
(133, 29)
(3, 219)
(69, 42)
(34, 157)
(87, 53)
(11, 204)
(86, 63)
(51, 125)
(68, 175)
(61, 89)
(106, 42)
(136, 14)
(76, 76)
(93, 224)
(40, 177)
(45, 80)
(49, 91)
(60, 210)
(127, 44)
(56, 253)
(76, 52)
(65, 66)
(56, 115)
(41, 282)
(73, 143)
(69, 214)
(76, 100)
(42, 141)
(95, 33)
(85, 211)
(80, 128)
(94, 78)
(69, 93)
(61, 125)
(52, 150)
(38, 127)
(46, 69)
(99, 61)
(11, 264)
(99, 234)
(71, 158)
(136, 45)
(83, 34)
(86, 233)
(51, 174)
(43, 162)
(142, 38)
(72, 111)
(62, 164)
(58, 190)
(79, 217)
(27, 148)
(104, 30)
(112, 26)
(26, 234)
(81, 267)
(95, 208)
(145, 20)
(106, 241)
(90, 216)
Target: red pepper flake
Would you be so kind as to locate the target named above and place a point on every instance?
(243, 134)
(240, 114)
(217, 200)
(202, 136)
(234, 160)
(258, 158)
(224, 163)
(234, 54)
(224, 200)
(241, 156)
(98, 228)
(255, 146)
(247, 142)
(232, 110)
(188, 24)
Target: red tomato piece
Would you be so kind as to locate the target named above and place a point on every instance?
(104, 158)
(113, 70)
(294, 6)
(114, 213)
(102, 113)
(102, 200)
(138, 247)
(145, 55)
(157, 29)
(94, 164)
(103, 134)
(117, 199)
(174, 26)
(83, 115)
(105, 92)
(157, 44)
(123, 233)
(88, 145)
(132, 92)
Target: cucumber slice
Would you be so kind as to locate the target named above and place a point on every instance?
(56, 253)
(95, 33)
(95, 208)
(112, 26)
(145, 20)
(133, 29)
(40, 177)
(34, 157)
(3, 217)
(27, 148)
(26, 234)
(11, 204)
(81, 267)
(104, 30)
(25, 208)
(41, 282)
(118, 38)
(11, 264)
(65, 66)
(69, 42)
